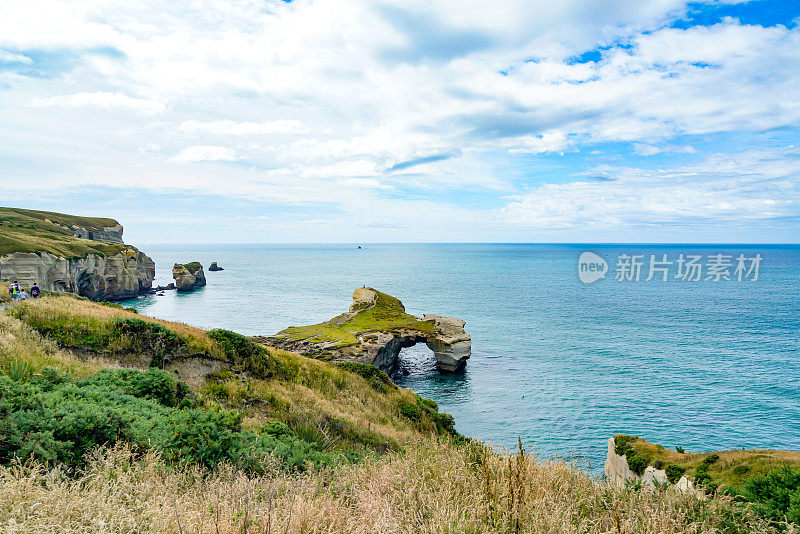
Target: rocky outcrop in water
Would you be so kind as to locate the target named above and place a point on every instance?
(374, 330)
(188, 276)
(215, 267)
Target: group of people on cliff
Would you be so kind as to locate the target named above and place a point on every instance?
(18, 292)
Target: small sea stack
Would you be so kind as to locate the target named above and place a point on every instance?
(215, 267)
(188, 276)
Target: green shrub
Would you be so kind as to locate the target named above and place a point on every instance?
(153, 384)
(740, 470)
(622, 443)
(409, 411)
(252, 357)
(658, 463)
(674, 473)
(701, 476)
(56, 420)
(379, 380)
(776, 495)
(680, 450)
(636, 462)
(711, 459)
(150, 337)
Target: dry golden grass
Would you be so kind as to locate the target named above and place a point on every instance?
(61, 308)
(431, 487)
(323, 392)
(21, 343)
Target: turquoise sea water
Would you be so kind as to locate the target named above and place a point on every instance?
(560, 364)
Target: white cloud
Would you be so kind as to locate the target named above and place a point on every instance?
(646, 149)
(373, 107)
(193, 154)
(228, 127)
(11, 57)
(104, 100)
(546, 142)
(727, 190)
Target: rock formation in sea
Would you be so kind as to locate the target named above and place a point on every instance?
(215, 267)
(83, 255)
(374, 330)
(188, 276)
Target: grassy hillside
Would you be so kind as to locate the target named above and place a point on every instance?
(387, 315)
(42, 231)
(168, 428)
(352, 406)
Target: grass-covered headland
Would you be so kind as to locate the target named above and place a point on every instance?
(386, 314)
(42, 231)
(115, 422)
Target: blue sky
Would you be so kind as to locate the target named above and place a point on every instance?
(414, 121)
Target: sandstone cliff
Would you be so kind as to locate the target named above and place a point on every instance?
(188, 276)
(374, 330)
(82, 255)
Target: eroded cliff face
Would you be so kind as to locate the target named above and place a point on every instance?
(106, 234)
(617, 471)
(99, 273)
(122, 276)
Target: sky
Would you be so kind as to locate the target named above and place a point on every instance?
(416, 121)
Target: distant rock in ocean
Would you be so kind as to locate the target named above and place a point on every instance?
(188, 276)
(215, 267)
(168, 287)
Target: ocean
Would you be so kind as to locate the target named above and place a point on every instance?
(558, 363)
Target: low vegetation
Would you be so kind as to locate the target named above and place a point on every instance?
(42, 231)
(56, 420)
(351, 408)
(76, 323)
(225, 435)
(430, 486)
(741, 473)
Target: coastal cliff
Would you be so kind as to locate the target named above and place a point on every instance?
(631, 459)
(374, 330)
(66, 253)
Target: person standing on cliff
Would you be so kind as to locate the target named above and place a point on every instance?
(14, 290)
(35, 291)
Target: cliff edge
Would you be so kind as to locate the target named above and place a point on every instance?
(632, 459)
(68, 253)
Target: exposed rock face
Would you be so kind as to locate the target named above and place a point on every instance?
(189, 276)
(124, 275)
(215, 267)
(617, 471)
(106, 234)
(451, 345)
(374, 330)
